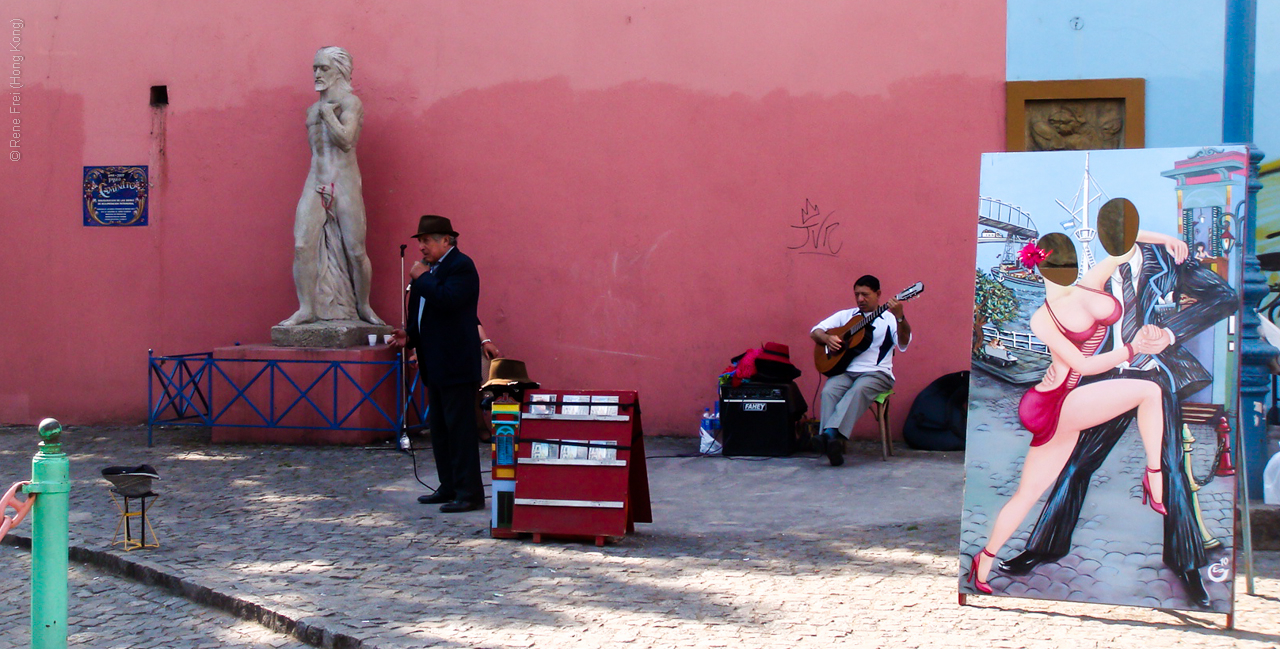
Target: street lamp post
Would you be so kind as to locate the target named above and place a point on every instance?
(1237, 128)
(51, 484)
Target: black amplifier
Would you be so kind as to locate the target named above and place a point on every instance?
(755, 420)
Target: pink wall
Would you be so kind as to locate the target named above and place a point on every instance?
(627, 176)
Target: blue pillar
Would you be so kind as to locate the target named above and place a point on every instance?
(1237, 128)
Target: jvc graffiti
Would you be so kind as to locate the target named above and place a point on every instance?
(819, 232)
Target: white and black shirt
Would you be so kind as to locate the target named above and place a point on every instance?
(884, 335)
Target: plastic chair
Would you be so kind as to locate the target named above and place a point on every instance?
(880, 410)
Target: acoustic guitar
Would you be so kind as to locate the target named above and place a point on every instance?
(854, 338)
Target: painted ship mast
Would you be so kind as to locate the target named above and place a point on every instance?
(1080, 215)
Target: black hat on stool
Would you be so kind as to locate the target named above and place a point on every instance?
(131, 481)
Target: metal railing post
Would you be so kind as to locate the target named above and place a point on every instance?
(151, 417)
(50, 479)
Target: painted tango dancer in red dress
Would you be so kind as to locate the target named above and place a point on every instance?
(1072, 323)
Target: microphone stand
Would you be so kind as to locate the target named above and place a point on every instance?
(402, 444)
(402, 441)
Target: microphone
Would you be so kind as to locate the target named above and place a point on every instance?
(402, 247)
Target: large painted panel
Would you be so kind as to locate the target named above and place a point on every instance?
(1106, 363)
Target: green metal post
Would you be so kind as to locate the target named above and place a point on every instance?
(51, 484)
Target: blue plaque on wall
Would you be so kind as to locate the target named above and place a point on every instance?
(115, 196)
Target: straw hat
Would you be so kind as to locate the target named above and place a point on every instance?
(509, 372)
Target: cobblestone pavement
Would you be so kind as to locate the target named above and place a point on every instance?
(780, 553)
(1118, 547)
(112, 612)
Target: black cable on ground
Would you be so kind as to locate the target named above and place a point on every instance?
(414, 457)
(744, 458)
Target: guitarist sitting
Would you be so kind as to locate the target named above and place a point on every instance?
(870, 364)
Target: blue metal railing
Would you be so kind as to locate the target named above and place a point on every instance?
(180, 392)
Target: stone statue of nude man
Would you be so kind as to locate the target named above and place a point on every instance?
(330, 268)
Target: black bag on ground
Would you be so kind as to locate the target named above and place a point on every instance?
(939, 414)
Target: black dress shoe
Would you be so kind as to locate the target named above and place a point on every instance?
(435, 498)
(1025, 562)
(454, 506)
(835, 450)
(1196, 593)
(819, 443)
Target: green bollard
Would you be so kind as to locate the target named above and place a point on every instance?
(51, 485)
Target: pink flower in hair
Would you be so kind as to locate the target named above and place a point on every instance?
(1031, 255)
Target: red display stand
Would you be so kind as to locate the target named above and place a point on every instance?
(580, 465)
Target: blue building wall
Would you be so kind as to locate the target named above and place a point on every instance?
(1266, 111)
(1176, 45)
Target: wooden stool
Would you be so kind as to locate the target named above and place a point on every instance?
(129, 542)
(880, 410)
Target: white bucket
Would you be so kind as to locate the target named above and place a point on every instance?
(1271, 481)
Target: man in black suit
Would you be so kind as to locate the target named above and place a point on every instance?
(442, 330)
(1158, 278)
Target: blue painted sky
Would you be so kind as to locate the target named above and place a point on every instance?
(1034, 181)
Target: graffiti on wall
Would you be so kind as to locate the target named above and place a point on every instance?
(819, 231)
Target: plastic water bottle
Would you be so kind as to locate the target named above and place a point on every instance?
(715, 422)
(706, 441)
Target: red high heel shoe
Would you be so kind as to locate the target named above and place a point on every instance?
(973, 573)
(1146, 493)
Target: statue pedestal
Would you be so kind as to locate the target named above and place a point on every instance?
(272, 409)
(327, 334)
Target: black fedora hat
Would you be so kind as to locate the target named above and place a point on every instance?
(432, 224)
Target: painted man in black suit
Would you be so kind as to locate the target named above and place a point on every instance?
(441, 328)
(1160, 277)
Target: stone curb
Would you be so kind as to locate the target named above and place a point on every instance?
(312, 633)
